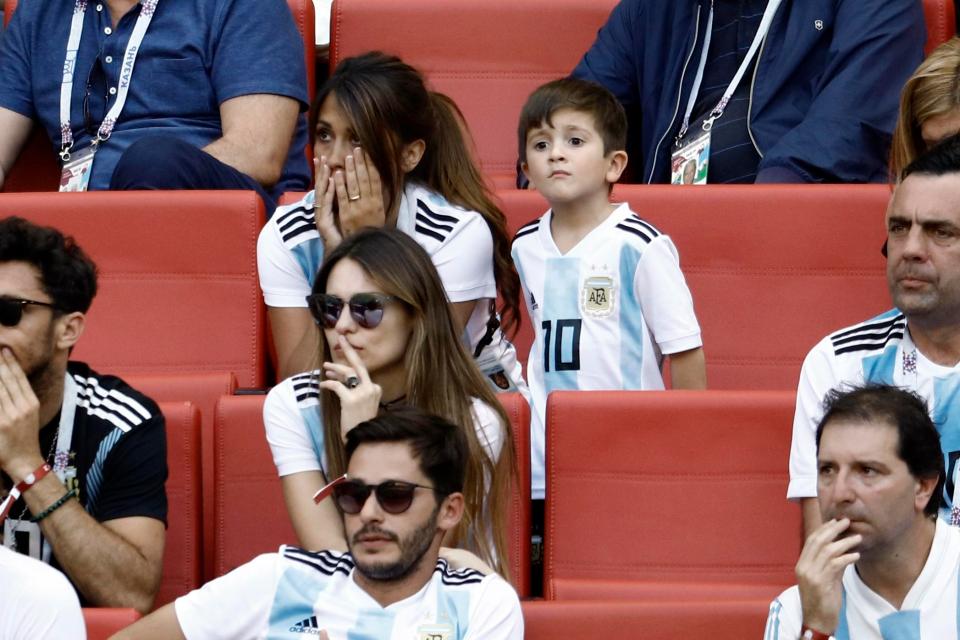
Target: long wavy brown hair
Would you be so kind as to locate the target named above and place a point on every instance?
(389, 106)
(932, 90)
(442, 379)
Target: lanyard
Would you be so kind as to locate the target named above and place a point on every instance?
(147, 9)
(717, 111)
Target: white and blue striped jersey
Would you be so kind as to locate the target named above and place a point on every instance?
(291, 417)
(459, 242)
(604, 313)
(299, 594)
(879, 350)
(930, 611)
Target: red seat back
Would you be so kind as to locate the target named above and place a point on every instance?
(37, 168)
(178, 278)
(646, 488)
(941, 22)
(102, 623)
(203, 390)
(518, 531)
(719, 620)
(772, 268)
(249, 515)
(489, 55)
(182, 556)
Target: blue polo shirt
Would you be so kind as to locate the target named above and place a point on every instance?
(196, 55)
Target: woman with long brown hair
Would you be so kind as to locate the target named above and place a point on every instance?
(388, 338)
(389, 152)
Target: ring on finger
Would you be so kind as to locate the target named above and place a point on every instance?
(352, 382)
(353, 198)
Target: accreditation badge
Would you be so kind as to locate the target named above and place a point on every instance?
(597, 295)
(75, 175)
(690, 160)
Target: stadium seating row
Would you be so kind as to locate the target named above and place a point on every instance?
(772, 270)
(700, 477)
(523, 45)
(732, 620)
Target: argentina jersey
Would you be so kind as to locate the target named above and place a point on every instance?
(604, 312)
(291, 415)
(929, 610)
(289, 254)
(301, 594)
(879, 350)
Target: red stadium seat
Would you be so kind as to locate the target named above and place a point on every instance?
(772, 268)
(102, 623)
(518, 532)
(670, 495)
(488, 56)
(182, 556)
(203, 390)
(941, 22)
(250, 517)
(178, 278)
(718, 620)
(37, 168)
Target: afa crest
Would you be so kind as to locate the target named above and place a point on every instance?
(597, 295)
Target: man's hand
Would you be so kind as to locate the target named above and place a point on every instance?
(19, 420)
(820, 573)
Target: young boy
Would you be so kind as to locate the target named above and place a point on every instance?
(603, 288)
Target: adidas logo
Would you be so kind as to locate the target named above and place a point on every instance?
(308, 626)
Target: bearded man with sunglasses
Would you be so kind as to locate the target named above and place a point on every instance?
(401, 493)
(82, 455)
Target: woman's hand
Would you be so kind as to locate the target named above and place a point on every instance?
(359, 194)
(359, 396)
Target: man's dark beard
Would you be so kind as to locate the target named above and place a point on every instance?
(412, 550)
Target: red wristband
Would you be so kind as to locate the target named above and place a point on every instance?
(807, 633)
(33, 478)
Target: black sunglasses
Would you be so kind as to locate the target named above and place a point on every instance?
(365, 308)
(96, 79)
(11, 309)
(394, 496)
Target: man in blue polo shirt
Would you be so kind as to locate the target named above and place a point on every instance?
(758, 90)
(165, 93)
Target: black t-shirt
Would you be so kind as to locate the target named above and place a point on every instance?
(117, 459)
(733, 158)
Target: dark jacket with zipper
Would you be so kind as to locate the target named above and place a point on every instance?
(824, 91)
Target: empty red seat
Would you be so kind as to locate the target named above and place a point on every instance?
(203, 390)
(178, 278)
(669, 495)
(182, 554)
(718, 620)
(941, 22)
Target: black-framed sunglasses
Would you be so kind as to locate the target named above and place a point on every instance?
(394, 496)
(11, 309)
(96, 82)
(365, 308)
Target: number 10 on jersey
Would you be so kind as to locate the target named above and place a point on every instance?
(561, 345)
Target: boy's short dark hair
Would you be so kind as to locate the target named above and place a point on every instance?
(609, 118)
(439, 446)
(67, 274)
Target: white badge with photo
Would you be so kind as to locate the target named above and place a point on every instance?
(690, 160)
(75, 175)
